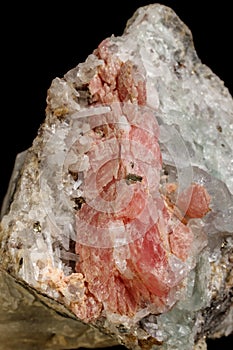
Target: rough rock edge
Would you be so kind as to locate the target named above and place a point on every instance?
(219, 331)
(42, 323)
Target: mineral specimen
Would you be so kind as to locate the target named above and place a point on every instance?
(119, 216)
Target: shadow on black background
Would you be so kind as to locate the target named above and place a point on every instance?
(40, 43)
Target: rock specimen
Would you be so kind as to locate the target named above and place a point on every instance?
(120, 215)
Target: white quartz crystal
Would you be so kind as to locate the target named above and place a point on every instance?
(193, 111)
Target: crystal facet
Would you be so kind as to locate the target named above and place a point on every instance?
(121, 210)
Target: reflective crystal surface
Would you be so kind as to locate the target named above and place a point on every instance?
(121, 211)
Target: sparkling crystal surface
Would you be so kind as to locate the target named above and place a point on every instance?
(122, 209)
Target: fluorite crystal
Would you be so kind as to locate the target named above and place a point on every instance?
(121, 212)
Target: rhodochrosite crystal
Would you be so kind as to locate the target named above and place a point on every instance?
(120, 214)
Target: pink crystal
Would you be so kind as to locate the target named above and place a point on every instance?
(133, 240)
(121, 211)
(116, 80)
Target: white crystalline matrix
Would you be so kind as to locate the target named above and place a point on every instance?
(120, 214)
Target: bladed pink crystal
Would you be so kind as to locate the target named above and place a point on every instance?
(122, 193)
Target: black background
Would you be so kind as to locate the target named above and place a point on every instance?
(43, 40)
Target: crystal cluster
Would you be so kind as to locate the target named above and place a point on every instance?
(122, 209)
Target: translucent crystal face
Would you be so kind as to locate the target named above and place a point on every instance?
(124, 207)
(128, 215)
(117, 187)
